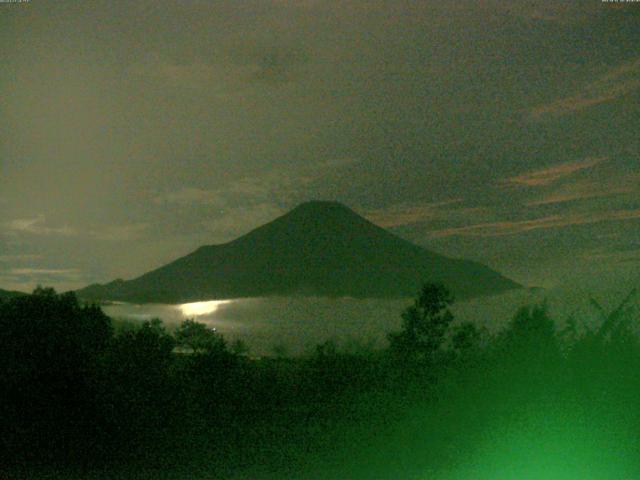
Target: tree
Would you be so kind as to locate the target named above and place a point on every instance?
(424, 326)
(532, 331)
(200, 338)
(51, 350)
(239, 347)
(280, 350)
(465, 338)
(135, 395)
(529, 347)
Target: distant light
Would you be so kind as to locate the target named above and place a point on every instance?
(196, 309)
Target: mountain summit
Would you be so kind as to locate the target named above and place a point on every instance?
(318, 248)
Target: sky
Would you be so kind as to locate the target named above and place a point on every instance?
(503, 132)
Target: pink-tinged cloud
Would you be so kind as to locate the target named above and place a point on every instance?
(497, 229)
(549, 175)
(610, 86)
(571, 104)
(581, 191)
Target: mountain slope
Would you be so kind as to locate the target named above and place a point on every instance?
(7, 294)
(318, 248)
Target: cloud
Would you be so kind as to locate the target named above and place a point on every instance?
(36, 226)
(246, 188)
(609, 182)
(403, 214)
(549, 175)
(497, 229)
(580, 191)
(63, 272)
(616, 83)
(130, 117)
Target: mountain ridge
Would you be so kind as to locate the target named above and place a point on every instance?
(318, 248)
(7, 294)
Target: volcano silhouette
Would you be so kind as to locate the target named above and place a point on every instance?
(317, 249)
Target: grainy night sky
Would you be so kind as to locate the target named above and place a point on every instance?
(134, 132)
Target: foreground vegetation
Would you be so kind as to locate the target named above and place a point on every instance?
(444, 400)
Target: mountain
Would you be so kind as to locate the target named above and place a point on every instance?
(319, 249)
(6, 294)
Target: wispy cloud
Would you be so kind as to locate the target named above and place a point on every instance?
(497, 229)
(247, 188)
(549, 175)
(62, 272)
(36, 225)
(403, 214)
(580, 191)
(614, 84)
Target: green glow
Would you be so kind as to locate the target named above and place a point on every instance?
(538, 442)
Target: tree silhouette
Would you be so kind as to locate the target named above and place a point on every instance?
(239, 347)
(51, 349)
(200, 338)
(424, 325)
(135, 390)
(532, 331)
(465, 337)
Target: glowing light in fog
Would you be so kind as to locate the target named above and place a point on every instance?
(196, 309)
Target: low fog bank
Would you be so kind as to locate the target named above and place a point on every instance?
(295, 325)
